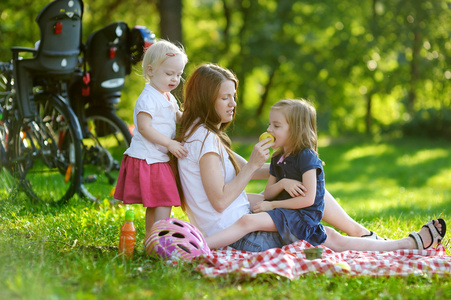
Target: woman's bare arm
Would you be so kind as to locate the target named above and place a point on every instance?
(220, 194)
(262, 173)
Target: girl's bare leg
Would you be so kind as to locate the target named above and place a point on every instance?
(154, 214)
(253, 199)
(335, 215)
(244, 225)
(338, 242)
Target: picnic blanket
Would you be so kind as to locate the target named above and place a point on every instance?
(290, 262)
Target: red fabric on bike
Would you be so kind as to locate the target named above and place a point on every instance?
(153, 185)
(290, 262)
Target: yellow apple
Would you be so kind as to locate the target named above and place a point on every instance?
(266, 135)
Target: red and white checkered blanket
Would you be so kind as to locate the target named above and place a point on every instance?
(290, 262)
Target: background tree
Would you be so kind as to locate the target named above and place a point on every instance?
(171, 20)
(369, 67)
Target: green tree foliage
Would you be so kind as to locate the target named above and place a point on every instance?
(366, 65)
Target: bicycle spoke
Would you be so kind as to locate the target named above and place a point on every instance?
(45, 154)
(102, 153)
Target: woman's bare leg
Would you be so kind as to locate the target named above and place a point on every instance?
(335, 215)
(338, 242)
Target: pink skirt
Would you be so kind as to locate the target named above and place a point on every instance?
(152, 185)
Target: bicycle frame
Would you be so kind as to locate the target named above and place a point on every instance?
(94, 93)
(40, 132)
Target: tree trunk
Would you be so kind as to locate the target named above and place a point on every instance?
(171, 20)
(226, 30)
(369, 95)
(414, 71)
(238, 63)
(264, 97)
(368, 118)
(171, 29)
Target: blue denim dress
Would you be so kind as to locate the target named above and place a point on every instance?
(305, 223)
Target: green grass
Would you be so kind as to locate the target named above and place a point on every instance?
(70, 252)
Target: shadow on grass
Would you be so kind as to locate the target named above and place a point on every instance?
(391, 178)
(410, 163)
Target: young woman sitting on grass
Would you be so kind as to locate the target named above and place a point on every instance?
(213, 177)
(293, 125)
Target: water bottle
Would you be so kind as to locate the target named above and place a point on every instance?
(127, 238)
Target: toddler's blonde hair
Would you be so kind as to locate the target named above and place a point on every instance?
(158, 52)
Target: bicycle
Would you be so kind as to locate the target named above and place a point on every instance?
(7, 182)
(40, 133)
(94, 92)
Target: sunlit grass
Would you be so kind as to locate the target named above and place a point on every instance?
(70, 252)
(440, 180)
(423, 156)
(367, 151)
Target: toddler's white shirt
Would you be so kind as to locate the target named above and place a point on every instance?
(163, 114)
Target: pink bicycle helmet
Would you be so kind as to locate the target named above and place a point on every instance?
(175, 238)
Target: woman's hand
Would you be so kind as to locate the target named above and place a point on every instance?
(260, 154)
(177, 149)
(222, 194)
(294, 187)
(262, 206)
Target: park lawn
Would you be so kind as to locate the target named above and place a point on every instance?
(392, 187)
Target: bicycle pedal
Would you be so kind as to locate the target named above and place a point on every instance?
(90, 179)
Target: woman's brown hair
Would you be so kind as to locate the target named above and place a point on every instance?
(201, 93)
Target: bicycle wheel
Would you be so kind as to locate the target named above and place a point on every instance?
(6, 181)
(3, 127)
(8, 184)
(103, 149)
(3, 139)
(46, 152)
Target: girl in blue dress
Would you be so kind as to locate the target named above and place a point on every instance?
(296, 216)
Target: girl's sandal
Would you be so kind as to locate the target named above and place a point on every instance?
(436, 235)
(372, 236)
